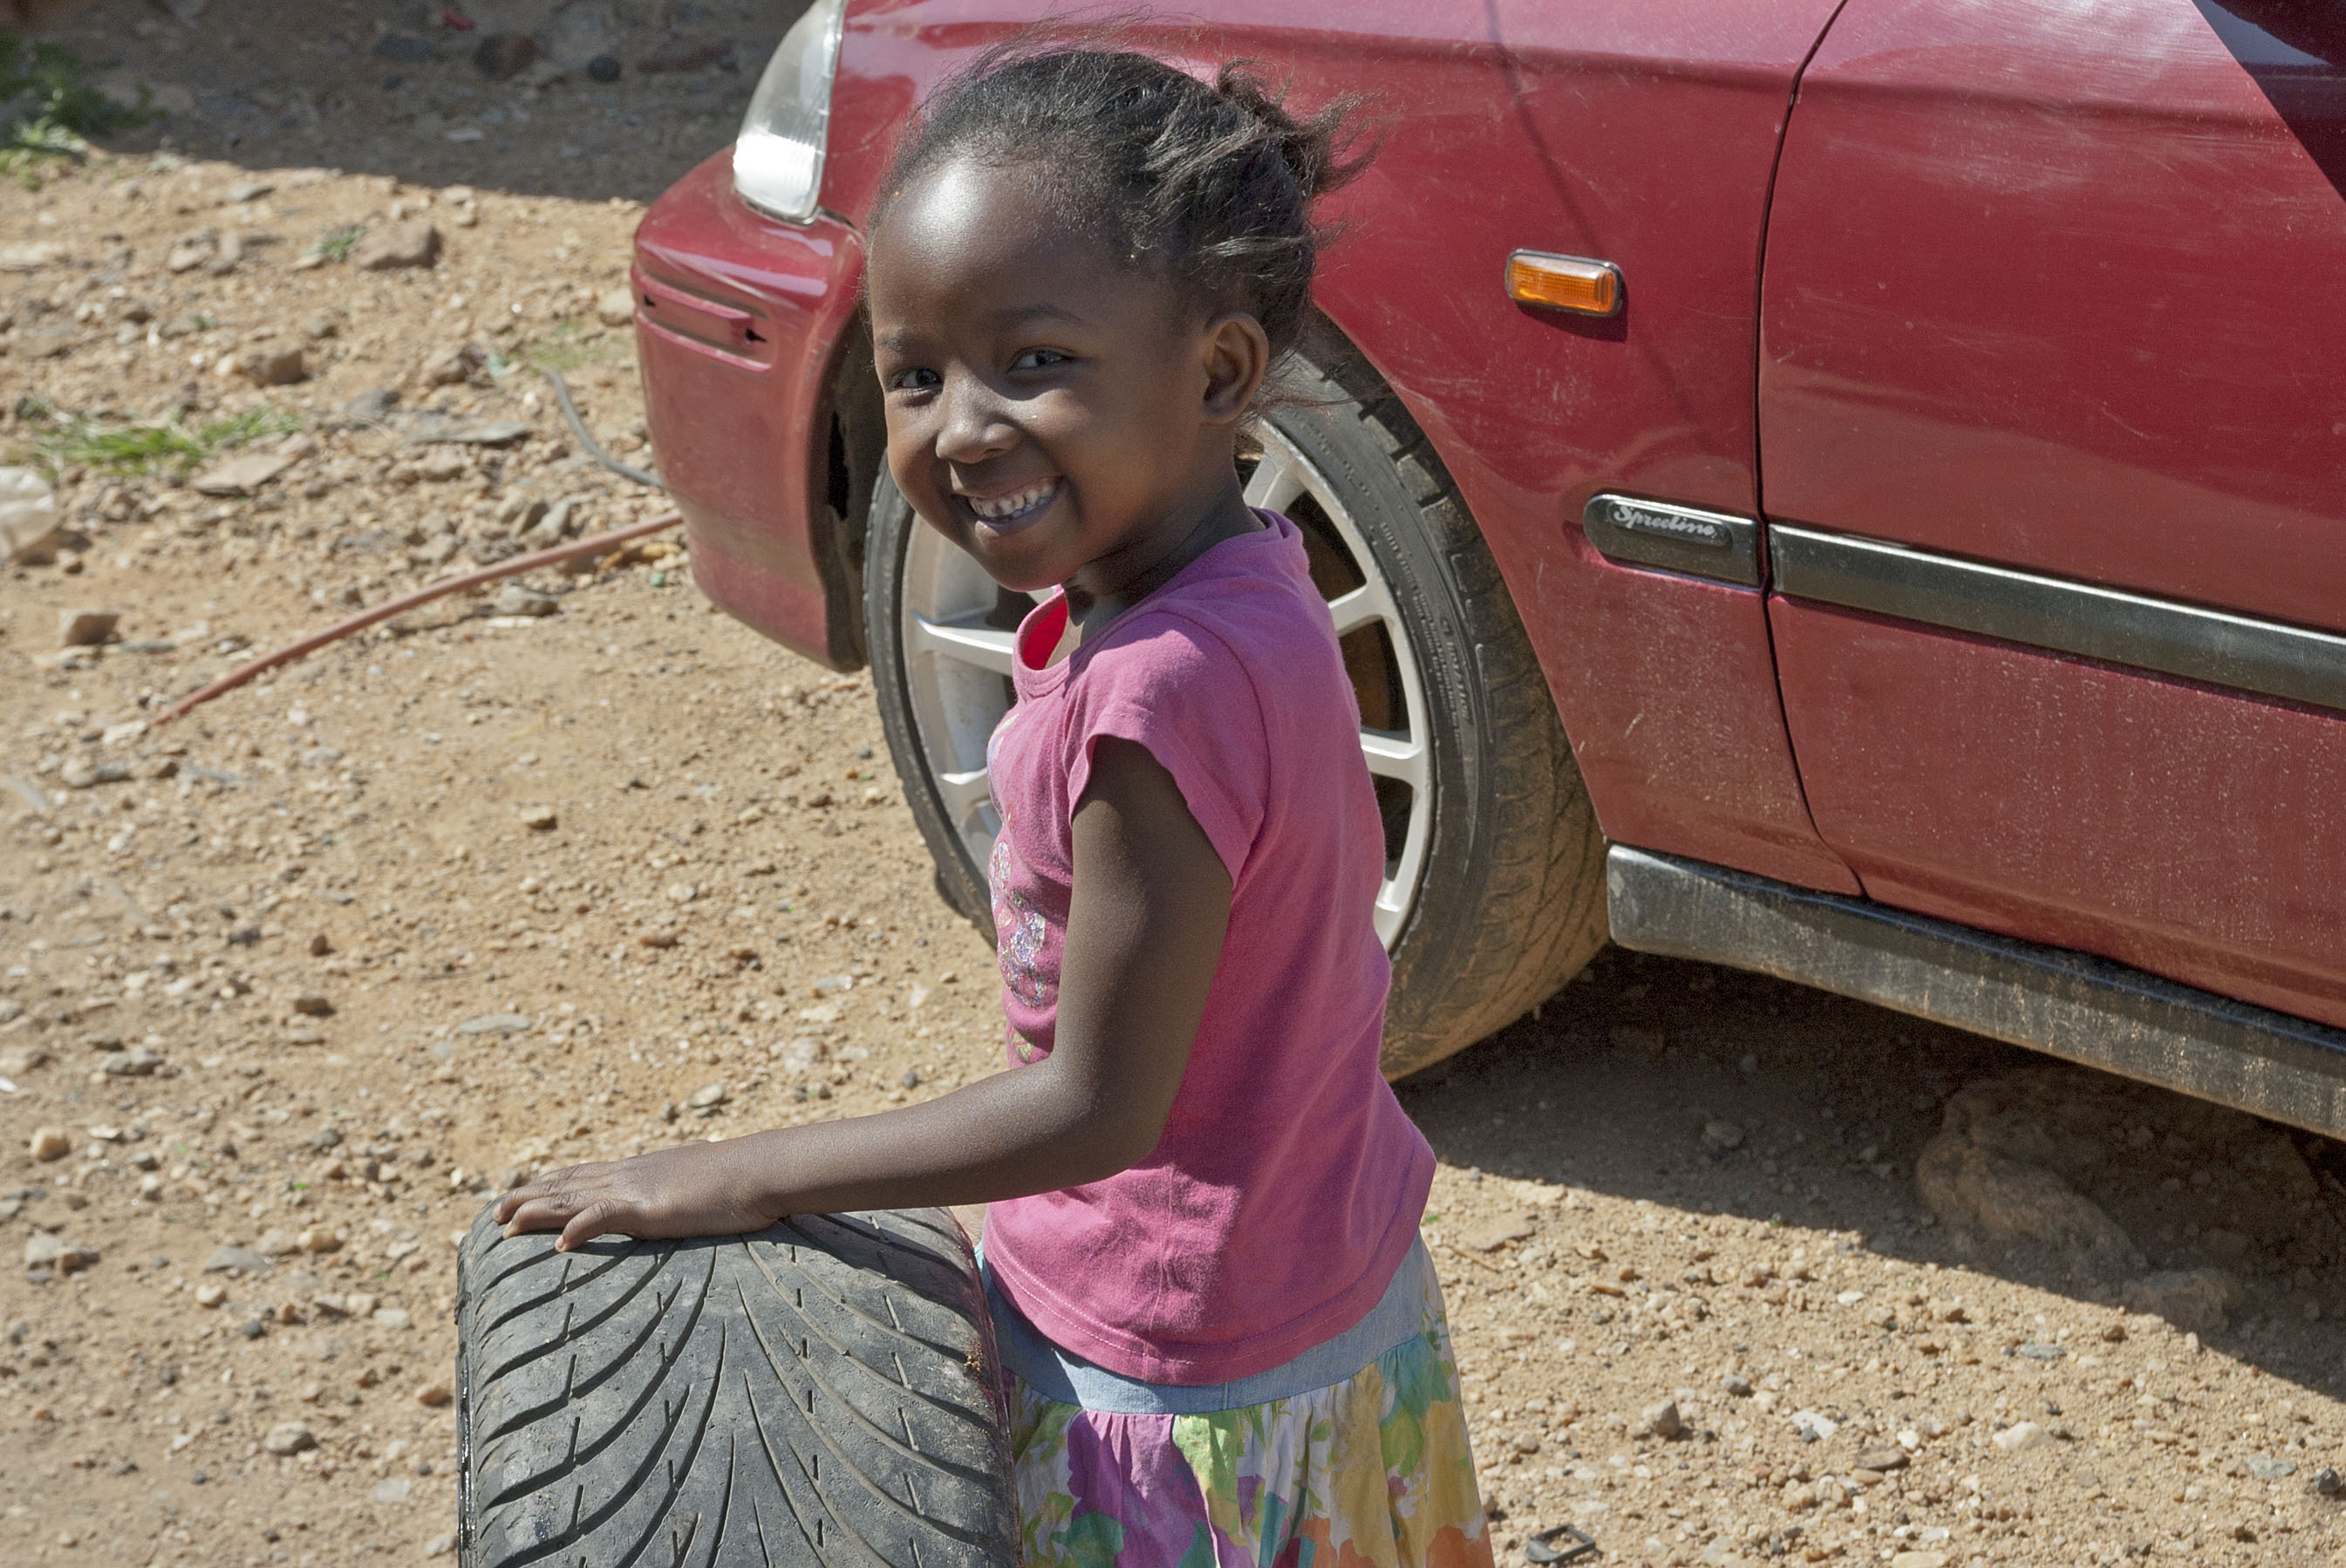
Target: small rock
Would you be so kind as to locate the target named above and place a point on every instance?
(1498, 1232)
(230, 1256)
(241, 475)
(540, 819)
(80, 774)
(2022, 1436)
(2265, 1467)
(45, 1250)
(1813, 1427)
(318, 325)
(371, 406)
(272, 367)
(139, 1062)
(452, 365)
(439, 1545)
(275, 1243)
(30, 255)
(289, 1437)
(515, 600)
(310, 1004)
(390, 1317)
(188, 255)
(51, 1144)
(1884, 1458)
(499, 1023)
(210, 1295)
(414, 243)
(2199, 1300)
(30, 533)
(1918, 1560)
(615, 307)
(1740, 1386)
(2326, 1482)
(321, 945)
(85, 628)
(433, 1395)
(320, 1239)
(706, 1095)
(505, 56)
(1722, 1133)
(604, 68)
(394, 1490)
(1659, 1420)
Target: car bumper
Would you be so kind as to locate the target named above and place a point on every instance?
(740, 322)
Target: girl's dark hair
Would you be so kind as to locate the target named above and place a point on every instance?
(1209, 187)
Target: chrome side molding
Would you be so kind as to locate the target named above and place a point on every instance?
(1640, 532)
(2068, 1004)
(2272, 659)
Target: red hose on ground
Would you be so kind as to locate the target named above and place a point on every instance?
(365, 619)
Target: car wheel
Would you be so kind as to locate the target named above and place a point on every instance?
(822, 1392)
(1493, 892)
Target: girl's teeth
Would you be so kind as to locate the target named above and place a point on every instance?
(1009, 505)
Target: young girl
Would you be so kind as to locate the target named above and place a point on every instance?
(1223, 1339)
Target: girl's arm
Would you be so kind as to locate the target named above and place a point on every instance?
(1151, 902)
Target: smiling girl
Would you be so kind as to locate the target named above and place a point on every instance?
(1223, 1340)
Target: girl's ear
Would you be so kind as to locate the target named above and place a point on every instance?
(1237, 357)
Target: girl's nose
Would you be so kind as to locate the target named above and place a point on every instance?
(973, 429)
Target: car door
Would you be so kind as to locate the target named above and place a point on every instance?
(2053, 435)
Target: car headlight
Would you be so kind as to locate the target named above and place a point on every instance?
(777, 161)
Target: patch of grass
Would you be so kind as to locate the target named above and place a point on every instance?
(50, 106)
(74, 440)
(335, 244)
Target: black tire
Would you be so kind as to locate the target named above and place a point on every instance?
(1510, 904)
(820, 1393)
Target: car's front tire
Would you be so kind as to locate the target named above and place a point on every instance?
(1493, 895)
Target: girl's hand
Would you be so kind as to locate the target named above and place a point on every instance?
(695, 1190)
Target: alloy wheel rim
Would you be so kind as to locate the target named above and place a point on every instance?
(957, 627)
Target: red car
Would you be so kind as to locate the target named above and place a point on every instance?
(1854, 491)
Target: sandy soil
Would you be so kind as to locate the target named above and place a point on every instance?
(310, 973)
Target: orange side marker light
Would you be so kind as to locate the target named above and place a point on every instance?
(1574, 283)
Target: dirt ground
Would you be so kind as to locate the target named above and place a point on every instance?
(1739, 1272)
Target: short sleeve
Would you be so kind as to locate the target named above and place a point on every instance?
(1175, 688)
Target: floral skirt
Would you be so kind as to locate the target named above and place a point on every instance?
(1374, 1469)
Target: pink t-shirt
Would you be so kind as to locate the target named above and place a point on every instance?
(1288, 1182)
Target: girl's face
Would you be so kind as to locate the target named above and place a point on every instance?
(1053, 412)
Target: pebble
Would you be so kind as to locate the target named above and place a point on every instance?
(707, 1094)
(272, 367)
(514, 599)
(43, 1250)
(390, 1317)
(241, 475)
(1496, 1233)
(1918, 1560)
(617, 308)
(394, 1490)
(320, 1239)
(433, 1395)
(276, 1243)
(1812, 1427)
(1883, 1458)
(1721, 1134)
(540, 819)
(289, 1437)
(496, 1023)
(311, 1005)
(2022, 1436)
(85, 627)
(414, 243)
(139, 1062)
(1661, 1421)
(1740, 1386)
(210, 1295)
(51, 1144)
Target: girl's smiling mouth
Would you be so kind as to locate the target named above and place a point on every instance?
(1008, 513)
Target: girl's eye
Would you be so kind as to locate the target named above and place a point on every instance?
(1038, 360)
(912, 380)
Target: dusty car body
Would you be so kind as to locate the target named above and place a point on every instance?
(1934, 566)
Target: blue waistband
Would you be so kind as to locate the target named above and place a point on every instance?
(1409, 1303)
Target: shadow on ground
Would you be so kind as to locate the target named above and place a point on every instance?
(1634, 1081)
(395, 90)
